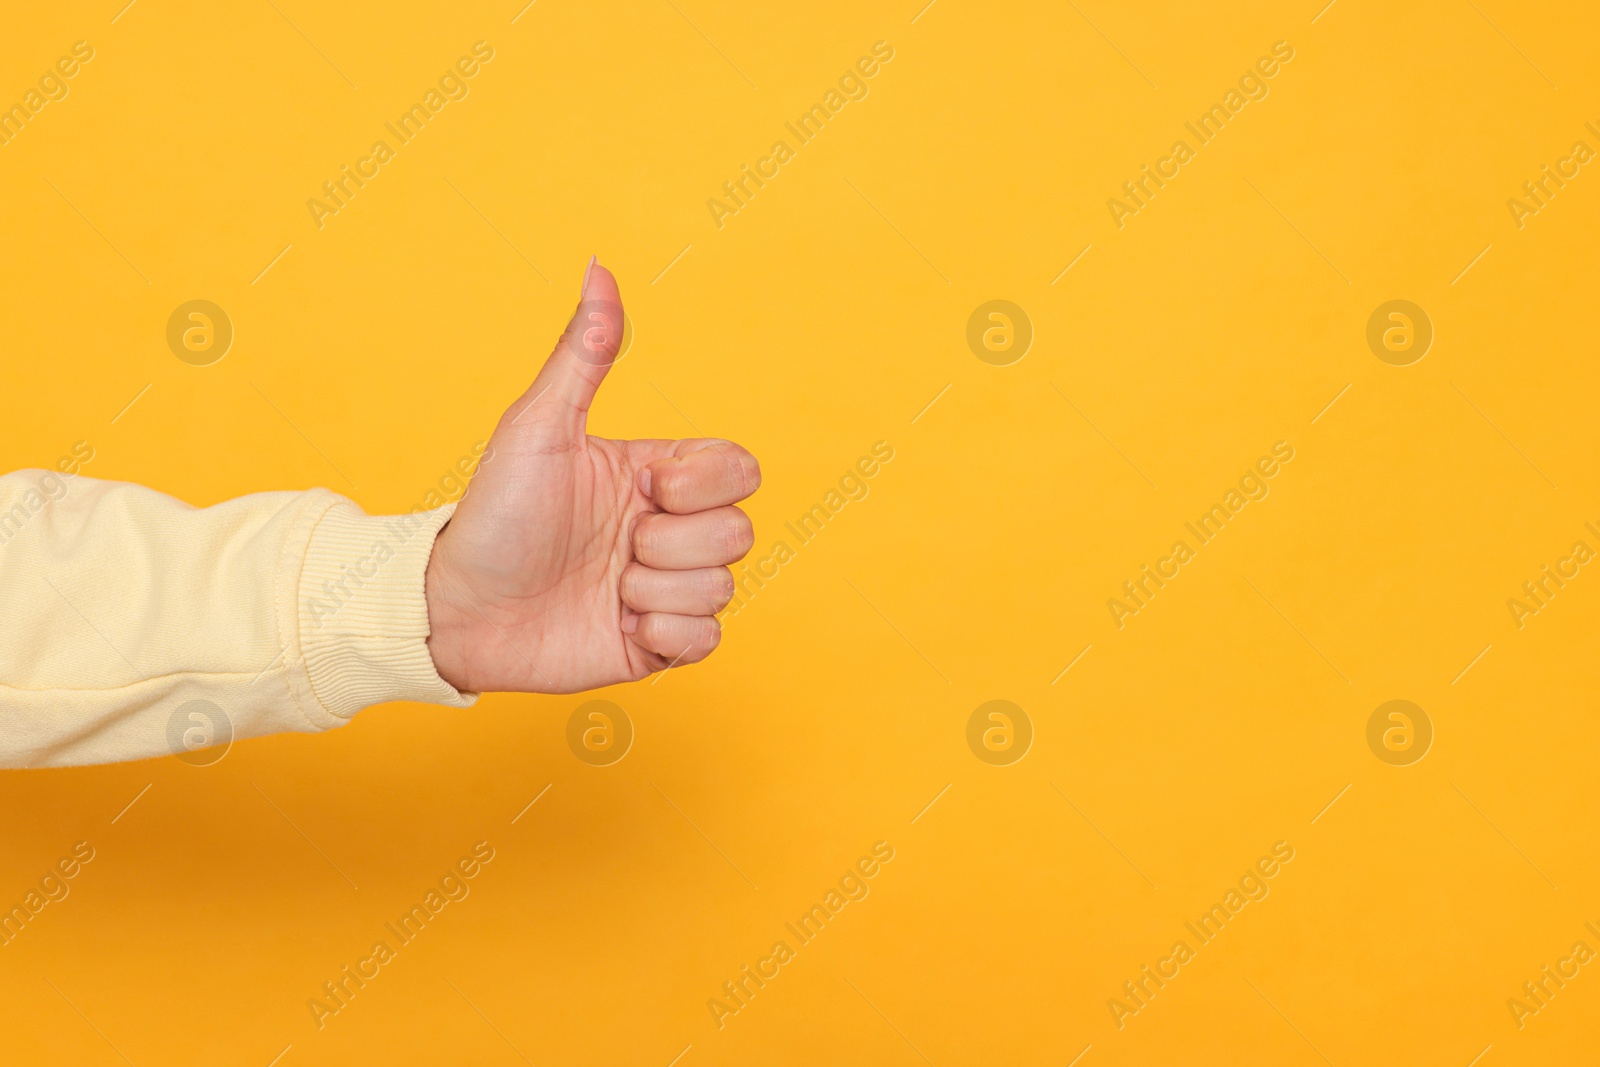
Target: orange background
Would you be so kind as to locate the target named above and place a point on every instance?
(371, 353)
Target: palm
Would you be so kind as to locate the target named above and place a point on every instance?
(530, 583)
(551, 538)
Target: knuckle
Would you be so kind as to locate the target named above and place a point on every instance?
(645, 538)
(739, 534)
(630, 585)
(663, 483)
(668, 486)
(719, 589)
(740, 473)
(749, 474)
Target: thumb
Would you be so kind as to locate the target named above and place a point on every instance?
(567, 383)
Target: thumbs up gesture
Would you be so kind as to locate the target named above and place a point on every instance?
(575, 562)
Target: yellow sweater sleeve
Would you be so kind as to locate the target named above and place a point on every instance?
(121, 607)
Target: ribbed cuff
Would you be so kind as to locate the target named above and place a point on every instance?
(363, 611)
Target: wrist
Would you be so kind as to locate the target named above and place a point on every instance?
(445, 643)
(363, 616)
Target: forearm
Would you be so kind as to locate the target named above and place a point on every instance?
(120, 605)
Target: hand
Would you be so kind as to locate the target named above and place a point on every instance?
(574, 562)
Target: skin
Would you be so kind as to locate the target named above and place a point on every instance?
(574, 561)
